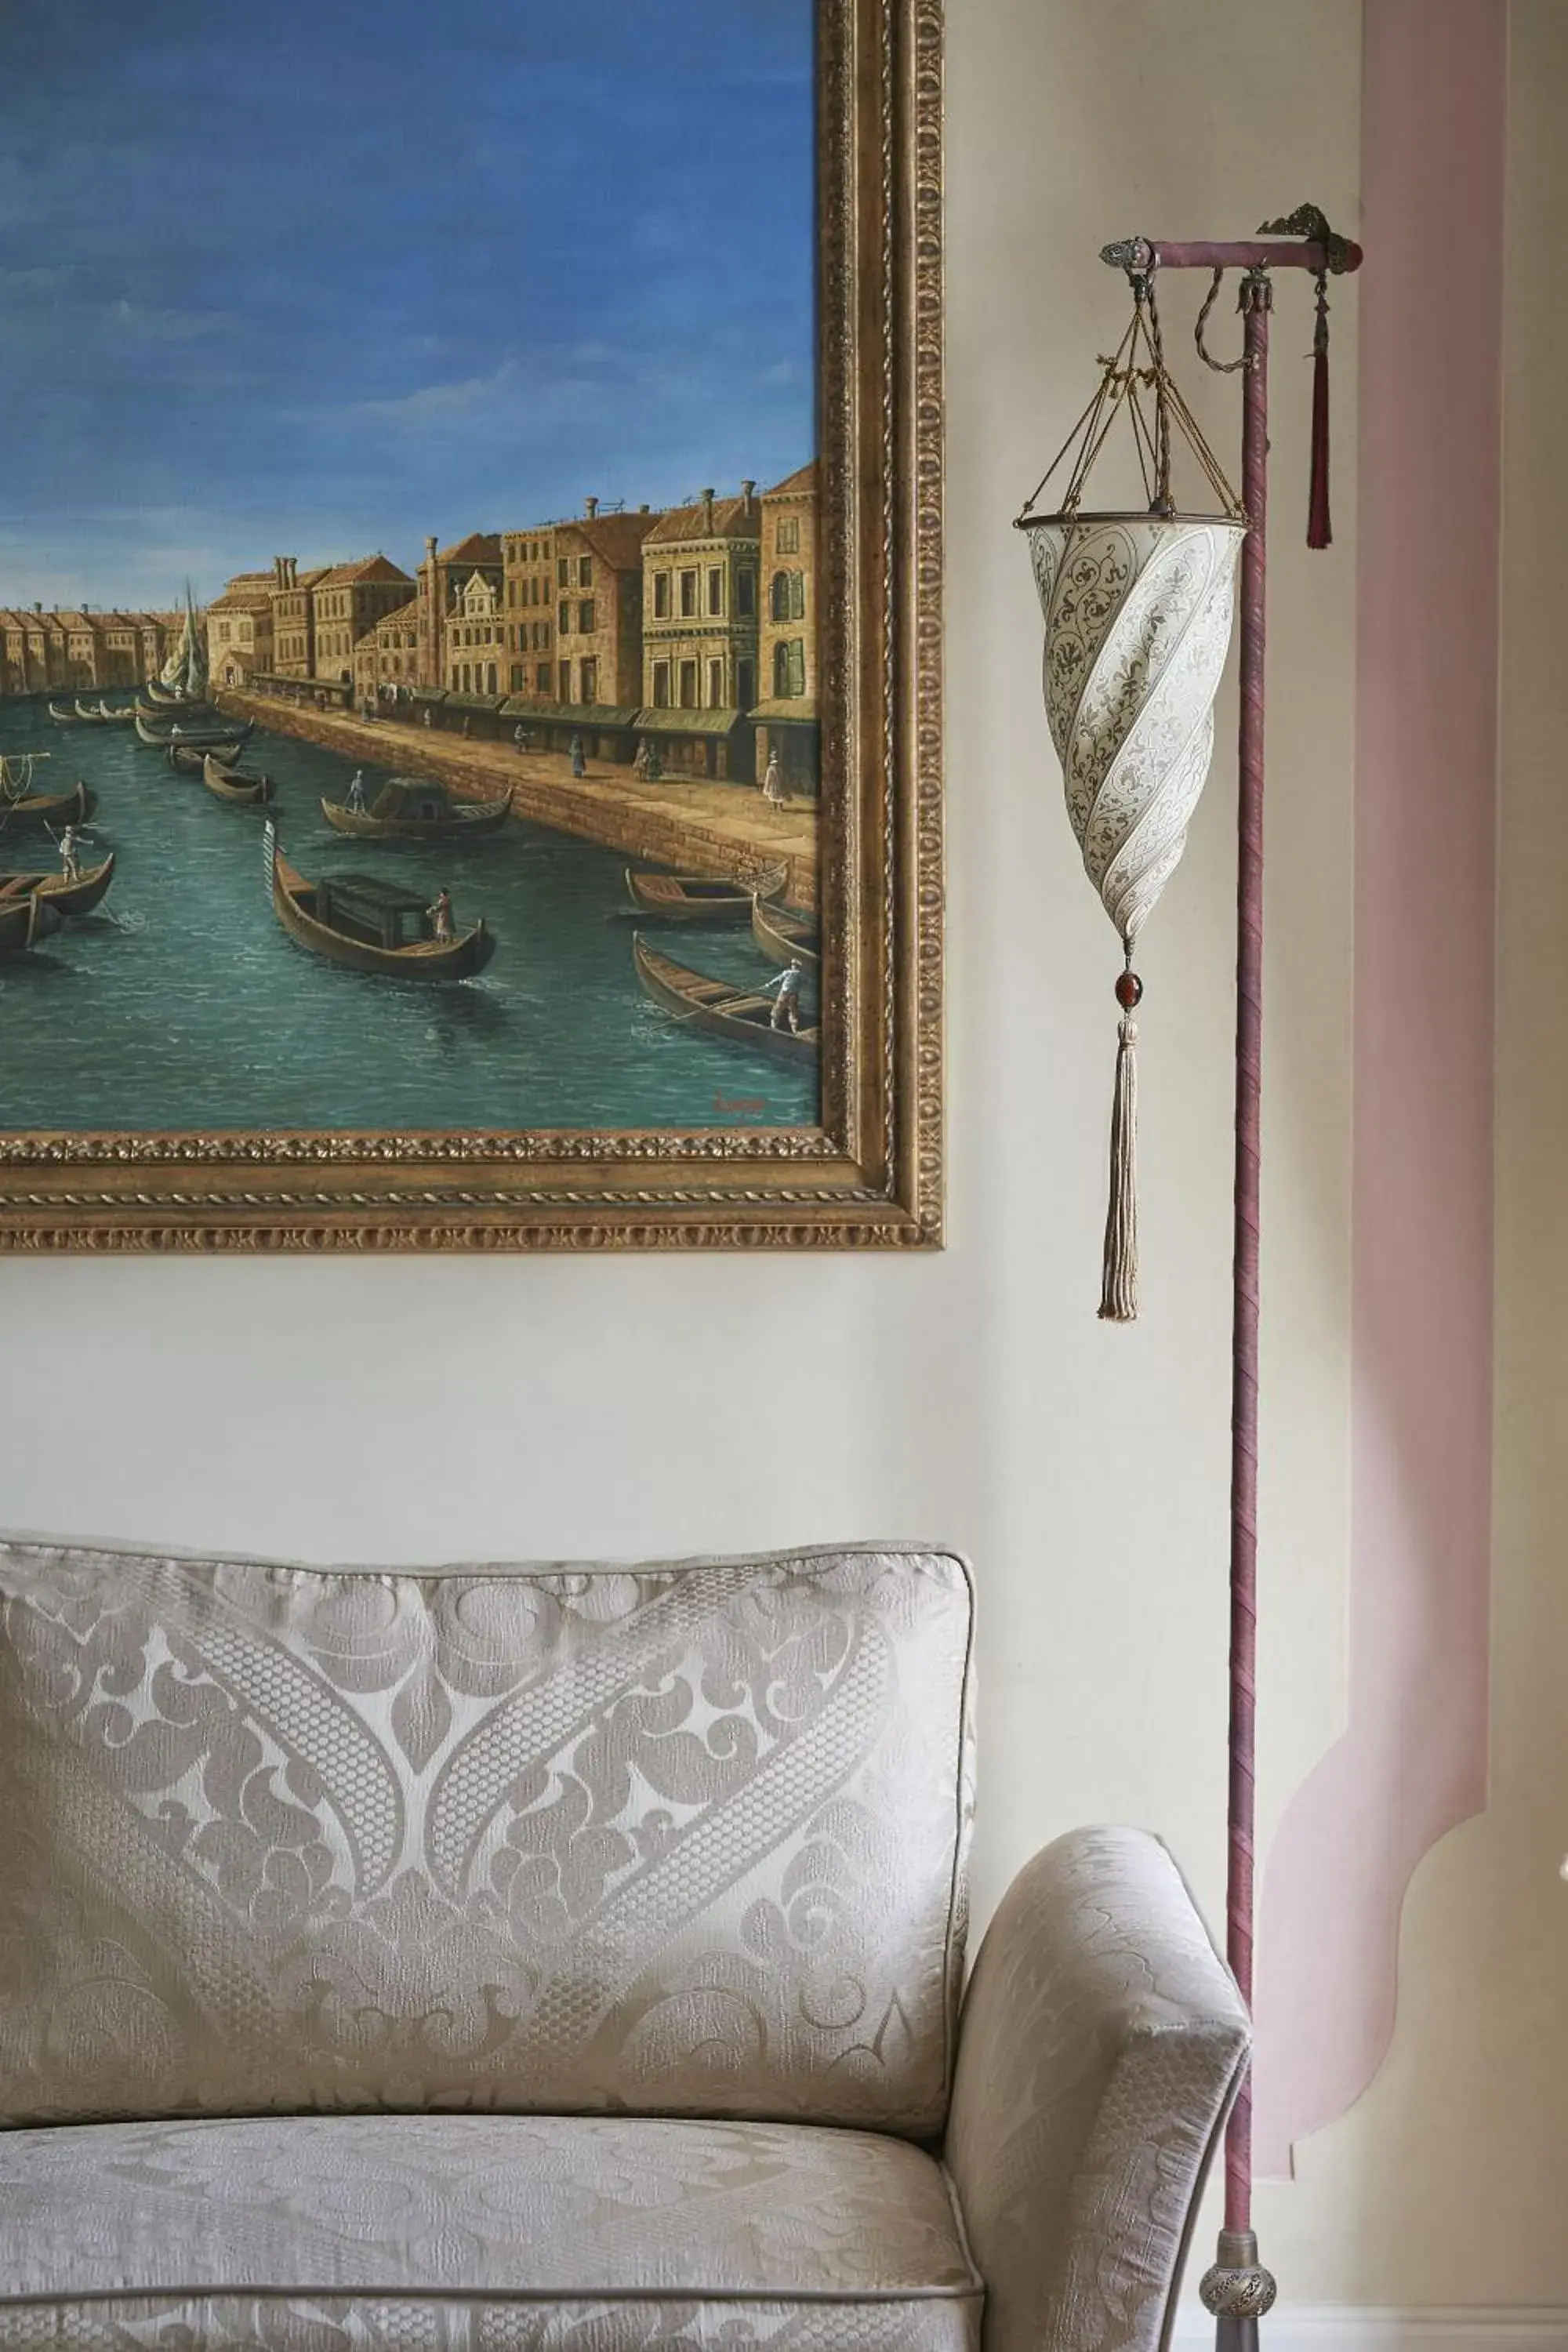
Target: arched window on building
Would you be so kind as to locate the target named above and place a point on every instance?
(787, 596)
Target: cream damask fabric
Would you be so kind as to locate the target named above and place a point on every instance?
(684, 1839)
(478, 2233)
(1102, 2041)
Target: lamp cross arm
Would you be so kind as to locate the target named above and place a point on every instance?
(1313, 245)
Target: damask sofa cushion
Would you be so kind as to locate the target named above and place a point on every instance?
(684, 1839)
(478, 2233)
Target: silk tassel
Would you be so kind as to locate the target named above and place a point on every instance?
(1320, 526)
(1119, 1288)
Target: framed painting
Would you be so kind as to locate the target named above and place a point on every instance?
(470, 626)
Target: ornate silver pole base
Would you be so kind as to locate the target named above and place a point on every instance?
(1237, 2290)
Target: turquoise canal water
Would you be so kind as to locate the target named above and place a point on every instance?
(181, 1002)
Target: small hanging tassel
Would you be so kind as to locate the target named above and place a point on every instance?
(1320, 528)
(1119, 1288)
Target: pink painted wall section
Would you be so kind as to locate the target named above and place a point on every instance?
(1412, 1763)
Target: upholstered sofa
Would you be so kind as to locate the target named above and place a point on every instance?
(563, 1960)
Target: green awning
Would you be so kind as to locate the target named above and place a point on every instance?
(799, 710)
(687, 722)
(570, 714)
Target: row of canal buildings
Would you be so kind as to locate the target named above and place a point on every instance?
(691, 629)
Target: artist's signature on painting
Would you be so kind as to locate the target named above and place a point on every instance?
(741, 1106)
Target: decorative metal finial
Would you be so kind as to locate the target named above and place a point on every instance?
(1306, 221)
(1237, 2286)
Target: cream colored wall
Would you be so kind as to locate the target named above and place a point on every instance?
(417, 1410)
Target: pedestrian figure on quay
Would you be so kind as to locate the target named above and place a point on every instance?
(773, 781)
(440, 913)
(654, 765)
(786, 1002)
(579, 765)
(520, 738)
(640, 763)
(356, 793)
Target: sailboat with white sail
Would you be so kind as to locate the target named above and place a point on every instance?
(184, 677)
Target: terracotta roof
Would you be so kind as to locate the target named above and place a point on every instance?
(364, 567)
(480, 547)
(236, 599)
(404, 616)
(616, 539)
(732, 519)
(801, 484)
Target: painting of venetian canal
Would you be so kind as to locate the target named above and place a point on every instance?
(410, 546)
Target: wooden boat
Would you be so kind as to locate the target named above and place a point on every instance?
(718, 1007)
(191, 759)
(369, 925)
(64, 718)
(700, 898)
(21, 923)
(206, 736)
(408, 808)
(784, 931)
(78, 898)
(164, 714)
(73, 807)
(245, 788)
(121, 718)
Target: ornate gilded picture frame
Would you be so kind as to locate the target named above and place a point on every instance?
(649, 786)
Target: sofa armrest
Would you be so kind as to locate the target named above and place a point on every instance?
(1100, 2044)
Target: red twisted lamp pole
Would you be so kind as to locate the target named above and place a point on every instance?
(1237, 2290)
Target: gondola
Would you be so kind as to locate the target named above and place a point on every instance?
(64, 718)
(368, 925)
(168, 701)
(784, 932)
(191, 759)
(73, 807)
(700, 898)
(206, 738)
(67, 897)
(407, 808)
(88, 717)
(178, 714)
(121, 718)
(745, 1016)
(24, 921)
(228, 782)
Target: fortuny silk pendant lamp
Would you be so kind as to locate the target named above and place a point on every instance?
(1138, 609)
(1138, 619)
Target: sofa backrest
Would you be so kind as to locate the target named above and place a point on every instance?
(682, 1839)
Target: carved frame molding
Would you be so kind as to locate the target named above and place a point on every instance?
(872, 1176)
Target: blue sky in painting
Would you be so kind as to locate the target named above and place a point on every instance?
(318, 278)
